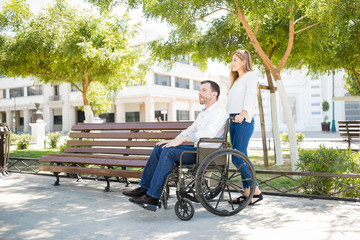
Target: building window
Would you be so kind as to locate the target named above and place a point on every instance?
(315, 95)
(315, 104)
(34, 90)
(182, 115)
(163, 80)
(57, 90)
(161, 116)
(182, 83)
(80, 116)
(197, 85)
(108, 117)
(16, 92)
(132, 117)
(183, 59)
(2, 93)
(57, 120)
(315, 113)
(197, 113)
(315, 86)
(352, 110)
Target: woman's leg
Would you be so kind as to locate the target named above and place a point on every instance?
(240, 134)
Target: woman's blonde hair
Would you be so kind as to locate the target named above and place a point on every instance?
(243, 55)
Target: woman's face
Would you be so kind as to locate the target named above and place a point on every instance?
(236, 63)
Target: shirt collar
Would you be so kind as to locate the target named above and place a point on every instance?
(212, 107)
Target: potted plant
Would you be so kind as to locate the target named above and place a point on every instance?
(325, 125)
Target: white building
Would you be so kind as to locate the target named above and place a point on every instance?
(172, 95)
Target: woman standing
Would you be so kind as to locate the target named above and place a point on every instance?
(241, 105)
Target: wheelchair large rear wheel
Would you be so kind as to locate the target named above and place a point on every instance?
(216, 174)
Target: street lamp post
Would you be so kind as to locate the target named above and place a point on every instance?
(333, 127)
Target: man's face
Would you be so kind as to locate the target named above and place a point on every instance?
(206, 95)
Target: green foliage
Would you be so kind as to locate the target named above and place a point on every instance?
(329, 160)
(32, 153)
(285, 138)
(100, 99)
(24, 141)
(14, 138)
(325, 106)
(351, 85)
(54, 138)
(13, 14)
(77, 46)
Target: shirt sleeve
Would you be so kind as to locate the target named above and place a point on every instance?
(189, 131)
(250, 92)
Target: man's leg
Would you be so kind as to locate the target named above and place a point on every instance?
(147, 174)
(168, 158)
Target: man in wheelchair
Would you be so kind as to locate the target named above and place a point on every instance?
(210, 123)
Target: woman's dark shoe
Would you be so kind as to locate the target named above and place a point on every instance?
(137, 192)
(257, 198)
(239, 200)
(242, 199)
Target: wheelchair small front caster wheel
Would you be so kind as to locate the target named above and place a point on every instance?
(184, 209)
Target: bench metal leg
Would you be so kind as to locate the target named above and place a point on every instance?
(57, 182)
(107, 188)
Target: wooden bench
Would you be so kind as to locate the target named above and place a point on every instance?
(118, 150)
(350, 131)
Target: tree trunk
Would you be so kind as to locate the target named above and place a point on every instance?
(89, 115)
(274, 120)
(289, 122)
(275, 72)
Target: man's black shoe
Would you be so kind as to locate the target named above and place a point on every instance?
(137, 192)
(146, 202)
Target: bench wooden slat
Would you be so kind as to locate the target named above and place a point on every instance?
(112, 143)
(127, 135)
(109, 151)
(107, 156)
(94, 161)
(132, 126)
(92, 171)
(350, 134)
(95, 148)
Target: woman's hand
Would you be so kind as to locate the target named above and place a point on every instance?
(239, 118)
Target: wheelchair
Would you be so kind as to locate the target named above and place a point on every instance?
(213, 180)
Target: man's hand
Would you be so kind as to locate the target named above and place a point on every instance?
(174, 143)
(161, 143)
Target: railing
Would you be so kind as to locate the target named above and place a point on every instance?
(333, 186)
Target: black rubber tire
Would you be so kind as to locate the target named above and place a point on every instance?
(229, 183)
(184, 209)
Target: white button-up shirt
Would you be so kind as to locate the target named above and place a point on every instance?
(210, 123)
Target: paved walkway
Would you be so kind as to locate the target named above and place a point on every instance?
(31, 208)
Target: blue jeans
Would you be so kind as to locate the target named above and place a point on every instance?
(160, 165)
(240, 134)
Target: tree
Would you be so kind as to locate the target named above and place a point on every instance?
(63, 44)
(214, 29)
(337, 45)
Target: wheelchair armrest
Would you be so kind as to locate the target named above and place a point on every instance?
(212, 140)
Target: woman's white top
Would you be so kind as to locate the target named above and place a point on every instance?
(242, 95)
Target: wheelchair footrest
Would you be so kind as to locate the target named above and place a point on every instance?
(152, 207)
